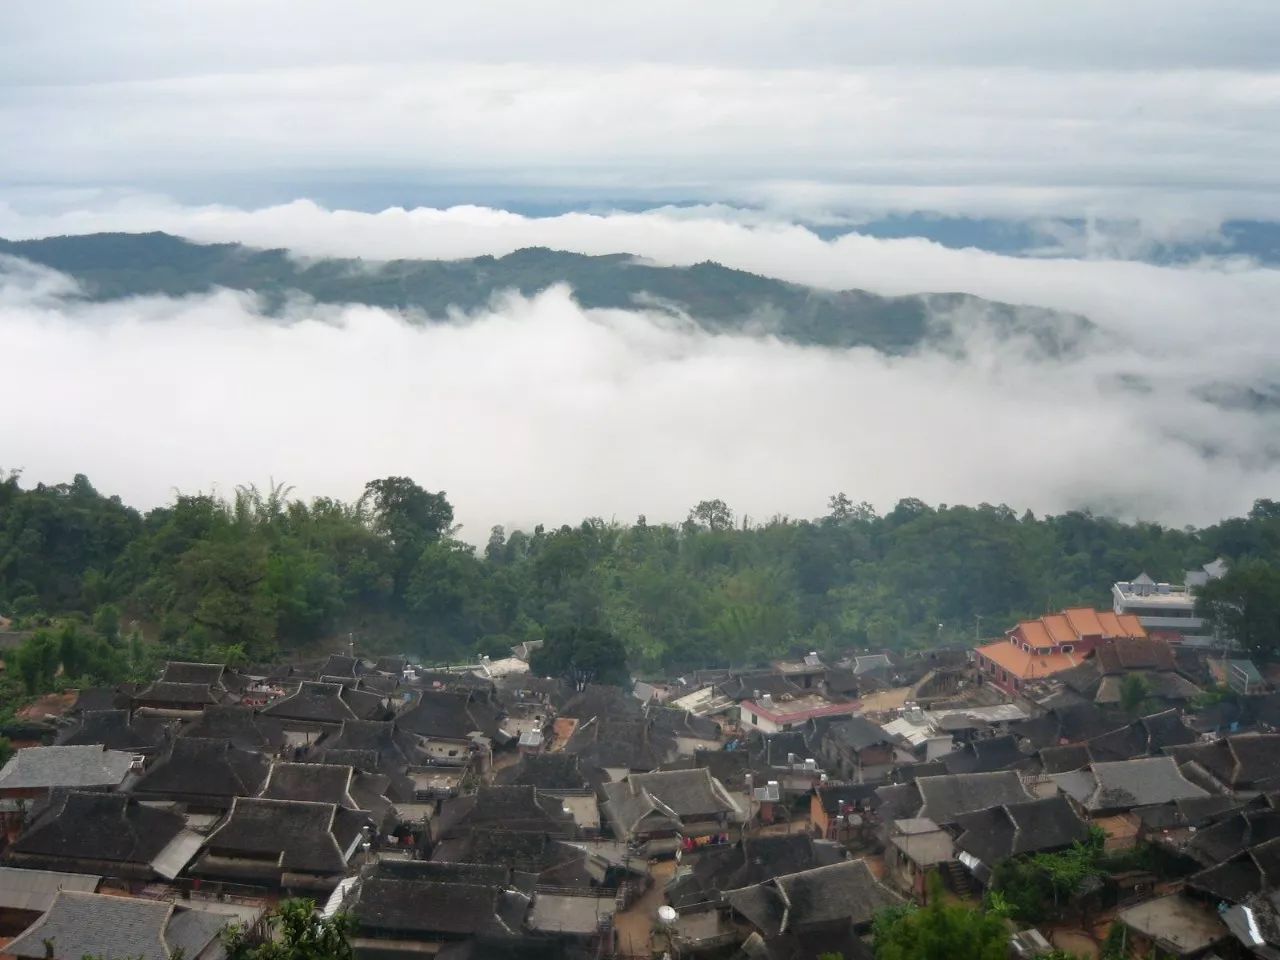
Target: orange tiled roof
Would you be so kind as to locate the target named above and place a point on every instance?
(1034, 633)
(1023, 665)
(1131, 625)
(1084, 621)
(1059, 628)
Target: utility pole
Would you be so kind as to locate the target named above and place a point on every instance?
(977, 628)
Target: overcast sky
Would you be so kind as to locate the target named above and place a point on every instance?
(1007, 107)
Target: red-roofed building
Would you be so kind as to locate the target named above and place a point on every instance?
(1036, 649)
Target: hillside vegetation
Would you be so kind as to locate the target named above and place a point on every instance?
(264, 573)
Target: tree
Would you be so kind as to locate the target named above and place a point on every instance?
(582, 655)
(713, 514)
(37, 661)
(1244, 605)
(1133, 692)
(106, 622)
(410, 517)
(940, 931)
(296, 934)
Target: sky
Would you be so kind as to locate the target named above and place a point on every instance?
(747, 133)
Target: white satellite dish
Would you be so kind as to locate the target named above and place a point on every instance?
(667, 915)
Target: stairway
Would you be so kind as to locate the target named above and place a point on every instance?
(958, 878)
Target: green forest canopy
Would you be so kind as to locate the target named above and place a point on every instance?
(264, 572)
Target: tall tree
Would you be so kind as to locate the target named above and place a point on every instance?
(410, 517)
(582, 655)
(1244, 605)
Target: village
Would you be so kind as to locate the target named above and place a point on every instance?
(478, 810)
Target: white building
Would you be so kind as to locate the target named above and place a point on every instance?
(1166, 607)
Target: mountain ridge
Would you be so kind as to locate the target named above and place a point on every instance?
(720, 299)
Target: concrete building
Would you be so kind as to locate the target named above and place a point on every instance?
(1165, 608)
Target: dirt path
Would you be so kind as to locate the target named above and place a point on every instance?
(635, 924)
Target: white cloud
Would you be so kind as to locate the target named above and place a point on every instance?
(538, 411)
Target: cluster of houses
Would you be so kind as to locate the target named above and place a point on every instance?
(764, 814)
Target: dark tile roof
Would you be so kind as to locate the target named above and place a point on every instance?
(425, 907)
(1120, 654)
(1122, 744)
(1252, 871)
(392, 665)
(598, 700)
(327, 703)
(97, 925)
(730, 767)
(190, 695)
(307, 837)
(244, 727)
(986, 756)
(1166, 730)
(750, 861)
(514, 808)
(451, 716)
(944, 799)
(103, 698)
(908, 772)
(631, 744)
(339, 665)
(668, 795)
(211, 770)
(1232, 833)
(997, 833)
(314, 782)
(417, 899)
(681, 723)
(856, 733)
(97, 826)
(752, 686)
(1084, 720)
(546, 771)
(504, 850)
(1076, 756)
(1240, 762)
(176, 671)
(819, 896)
(114, 730)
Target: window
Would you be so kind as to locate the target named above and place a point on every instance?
(453, 753)
(1026, 648)
(755, 719)
(1067, 648)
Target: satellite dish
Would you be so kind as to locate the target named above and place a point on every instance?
(667, 915)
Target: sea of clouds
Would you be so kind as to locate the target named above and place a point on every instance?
(538, 411)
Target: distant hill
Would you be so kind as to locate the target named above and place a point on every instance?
(112, 266)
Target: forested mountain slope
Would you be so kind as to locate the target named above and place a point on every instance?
(114, 265)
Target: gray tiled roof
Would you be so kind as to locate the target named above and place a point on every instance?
(72, 766)
(821, 895)
(37, 889)
(93, 925)
(946, 798)
(1125, 784)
